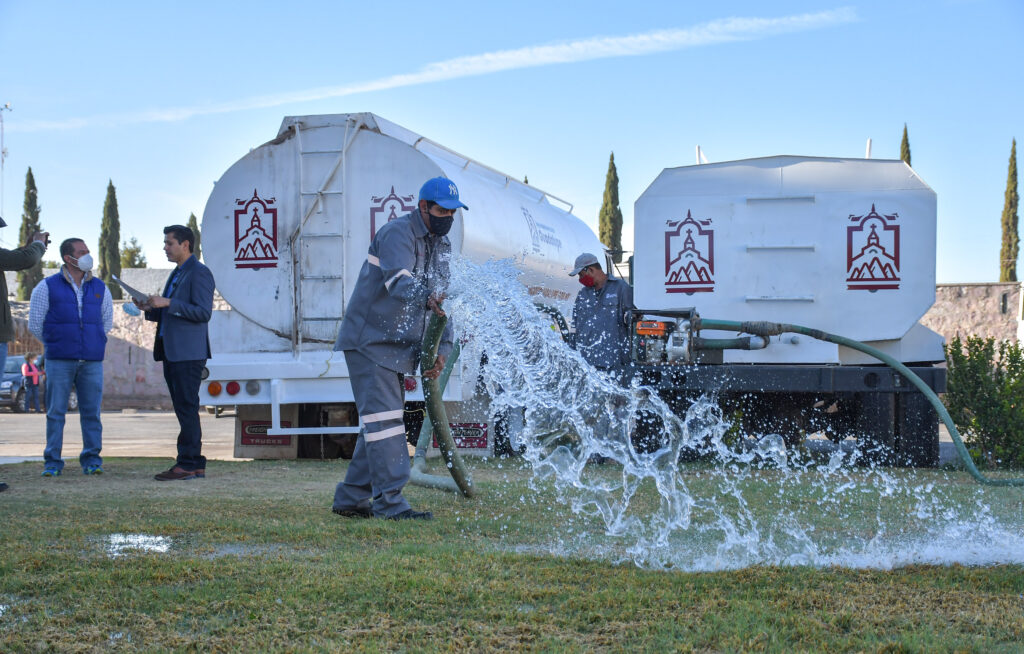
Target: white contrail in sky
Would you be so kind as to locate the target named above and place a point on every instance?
(725, 30)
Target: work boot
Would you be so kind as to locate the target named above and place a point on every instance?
(409, 514)
(353, 512)
(178, 473)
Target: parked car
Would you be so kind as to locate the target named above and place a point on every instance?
(12, 387)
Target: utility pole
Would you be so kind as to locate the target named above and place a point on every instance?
(3, 157)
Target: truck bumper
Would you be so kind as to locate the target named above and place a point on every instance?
(787, 379)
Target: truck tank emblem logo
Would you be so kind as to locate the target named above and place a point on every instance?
(873, 252)
(388, 207)
(256, 232)
(689, 256)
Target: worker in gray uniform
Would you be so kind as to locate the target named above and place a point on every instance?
(403, 279)
(601, 316)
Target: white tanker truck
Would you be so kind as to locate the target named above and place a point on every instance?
(845, 246)
(842, 245)
(285, 232)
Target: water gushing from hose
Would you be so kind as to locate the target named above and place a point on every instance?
(757, 504)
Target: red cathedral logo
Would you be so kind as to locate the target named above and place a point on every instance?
(256, 232)
(873, 252)
(388, 207)
(689, 256)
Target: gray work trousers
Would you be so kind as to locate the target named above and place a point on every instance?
(380, 463)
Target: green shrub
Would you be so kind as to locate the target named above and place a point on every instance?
(985, 397)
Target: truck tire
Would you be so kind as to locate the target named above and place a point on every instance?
(875, 426)
(917, 431)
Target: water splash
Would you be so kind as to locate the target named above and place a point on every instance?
(762, 504)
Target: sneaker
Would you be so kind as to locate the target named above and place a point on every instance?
(409, 514)
(51, 472)
(354, 512)
(177, 472)
(92, 470)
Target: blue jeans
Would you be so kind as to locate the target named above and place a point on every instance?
(32, 397)
(87, 379)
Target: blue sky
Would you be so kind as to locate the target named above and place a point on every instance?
(163, 98)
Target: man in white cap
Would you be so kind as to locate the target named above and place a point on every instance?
(403, 279)
(601, 317)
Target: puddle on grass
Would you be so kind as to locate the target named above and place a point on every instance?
(121, 545)
(118, 545)
(118, 636)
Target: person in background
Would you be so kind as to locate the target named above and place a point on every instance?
(182, 313)
(31, 375)
(601, 316)
(18, 259)
(71, 313)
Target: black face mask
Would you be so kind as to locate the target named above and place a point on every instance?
(440, 224)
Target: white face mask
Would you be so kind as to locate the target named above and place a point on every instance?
(84, 263)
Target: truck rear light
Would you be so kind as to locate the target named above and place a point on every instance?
(252, 387)
(410, 383)
(233, 387)
(651, 328)
(213, 388)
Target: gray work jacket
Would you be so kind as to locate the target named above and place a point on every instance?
(17, 259)
(387, 314)
(601, 320)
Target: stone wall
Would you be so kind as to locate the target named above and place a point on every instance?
(985, 310)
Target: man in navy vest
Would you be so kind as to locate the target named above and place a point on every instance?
(182, 313)
(71, 313)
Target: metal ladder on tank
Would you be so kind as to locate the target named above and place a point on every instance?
(295, 241)
(300, 235)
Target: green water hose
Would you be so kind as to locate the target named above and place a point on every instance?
(419, 475)
(437, 417)
(766, 329)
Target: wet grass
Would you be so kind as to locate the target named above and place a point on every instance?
(257, 562)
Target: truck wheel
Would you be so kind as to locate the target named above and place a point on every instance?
(875, 426)
(917, 431)
(649, 435)
(18, 405)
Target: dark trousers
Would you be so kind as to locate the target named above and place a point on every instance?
(183, 379)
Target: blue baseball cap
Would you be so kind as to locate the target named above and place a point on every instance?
(442, 191)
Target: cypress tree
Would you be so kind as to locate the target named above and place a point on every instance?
(110, 238)
(193, 224)
(609, 221)
(1011, 239)
(27, 279)
(905, 146)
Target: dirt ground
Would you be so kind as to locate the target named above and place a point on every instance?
(125, 433)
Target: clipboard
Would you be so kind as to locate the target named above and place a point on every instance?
(136, 294)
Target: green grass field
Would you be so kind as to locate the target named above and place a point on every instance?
(256, 561)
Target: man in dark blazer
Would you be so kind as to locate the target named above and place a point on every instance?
(182, 313)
